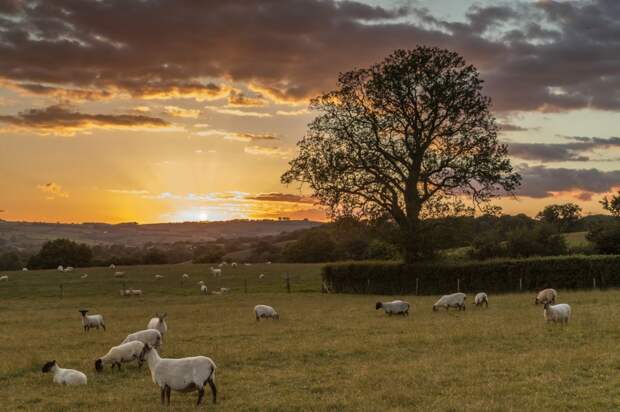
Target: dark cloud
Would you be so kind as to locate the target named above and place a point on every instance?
(282, 197)
(63, 120)
(540, 181)
(562, 152)
(508, 127)
(545, 55)
(237, 99)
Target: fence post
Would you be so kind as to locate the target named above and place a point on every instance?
(245, 285)
(288, 283)
(417, 286)
(458, 284)
(520, 284)
(62, 292)
(593, 283)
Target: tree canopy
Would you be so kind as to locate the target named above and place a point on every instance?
(409, 138)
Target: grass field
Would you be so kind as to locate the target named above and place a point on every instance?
(327, 353)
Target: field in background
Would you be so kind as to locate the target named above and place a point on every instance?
(327, 353)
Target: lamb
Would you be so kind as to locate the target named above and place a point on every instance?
(546, 296)
(455, 300)
(149, 336)
(126, 352)
(158, 323)
(264, 311)
(216, 272)
(182, 375)
(119, 274)
(559, 313)
(84, 276)
(159, 276)
(4, 278)
(203, 289)
(395, 307)
(91, 321)
(480, 299)
(64, 376)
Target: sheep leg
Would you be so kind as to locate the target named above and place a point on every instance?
(103, 326)
(213, 389)
(201, 394)
(163, 396)
(168, 390)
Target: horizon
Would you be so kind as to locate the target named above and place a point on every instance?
(151, 121)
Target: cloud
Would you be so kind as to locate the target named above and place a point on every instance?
(299, 112)
(267, 151)
(236, 112)
(237, 99)
(281, 197)
(61, 120)
(508, 127)
(64, 94)
(52, 191)
(181, 112)
(250, 137)
(540, 181)
(128, 191)
(562, 152)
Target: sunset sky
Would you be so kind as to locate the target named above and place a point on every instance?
(152, 111)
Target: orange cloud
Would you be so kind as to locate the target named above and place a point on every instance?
(181, 112)
(237, 99)
(52, 190)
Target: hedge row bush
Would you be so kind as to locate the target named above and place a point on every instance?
(495, 276)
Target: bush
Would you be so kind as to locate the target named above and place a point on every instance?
(541, 241)
(64, 252)
(10, 261)
(606, 238)
(565, 272)
(486, 246)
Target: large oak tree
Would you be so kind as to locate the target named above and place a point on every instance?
(411, 137)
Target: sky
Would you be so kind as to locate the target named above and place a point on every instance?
(165, 111)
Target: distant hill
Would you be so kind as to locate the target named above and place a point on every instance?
(32, 234)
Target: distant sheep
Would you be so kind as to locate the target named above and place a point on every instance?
(117, 355)
(266, 312)
(455, 300)
(131, 292)
(24, 269)
(159, 276)
(64, 376)
(159, 323)
(119, 274)
(546, 296)
(149, 336)
(234, 264)
(261, 276)
(395, 307)
(112, 266)
(4, 278)
(247, 264)
(84, 276)
(224, 290)
(481, 299)
(69, 269)
(60, 268)
(269, 262)
(559, 313)
(184, 276)
(91, 321)
(203, 289)
(216, 272)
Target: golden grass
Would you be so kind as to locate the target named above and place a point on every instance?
(327, 353)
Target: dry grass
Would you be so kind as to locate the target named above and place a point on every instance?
(327, 353)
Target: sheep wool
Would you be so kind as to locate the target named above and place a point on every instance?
(158, 323)
(123, 353)
(151, 337)
(481, 299)
(546, 296)
(455, 300)
(559, 313)
(91, 321)
(267, 312)
(395, 307)
(64, 376)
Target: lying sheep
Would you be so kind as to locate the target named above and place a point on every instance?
(148, 336)
(182, 375)
(455, 300)
(91, 321)
(546, 296)
(267, 312)
(203, 289)
(64, 376)
(247, 264)
(117, 355)
(395, 307)
(559, 313)
(480, 299)
(159, 323)
(4, 278)
(69, 269)
(159, 277)
(135, 292)
(119, 274)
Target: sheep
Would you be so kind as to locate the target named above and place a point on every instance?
(135, 292)
(119, 274)
(60, 268)
(84, 276)
(64, 376)
(183, 375)
(264, 311)
(261, 276)
(217, 292)
(546, 296)
(184, 276)
(4, 278)
(149, 336)
(559, 313)
(125, 352)
(247, 264)
(159, 323)
(395, 307)
(224, 290)
(91, 321)
(112, 266)
(455, 300)
(201, 282)
(24, 269)
(220, 265)
(69, 269)
(269, 262)
(480, 299)
(159, 277)
(234, 264)
(216, 272)
(203, 289)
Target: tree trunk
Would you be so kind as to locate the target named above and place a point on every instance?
(412, 242)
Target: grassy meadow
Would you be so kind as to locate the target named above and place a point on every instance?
(327, 353)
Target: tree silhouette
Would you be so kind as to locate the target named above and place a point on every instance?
(411, 138)
(612, 204)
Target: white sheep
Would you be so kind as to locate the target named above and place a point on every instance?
(119, 274)
(269, 262)
(183, 375)
(24, 269)
(4, 278)
(64, 376)
(267, 312)
(159, 277)
(91, 321)
(216, 272)
(125, 352)
(395, 307)
(234, 264)
(184, 276)
(60, 268)
(217, 292)
(559, 313)
(149, 336)
(201, 282)
(224, 290)
(135, 292)
(455, 300)
(247, 264)
(221, 264)
(112, 266)
(159, 323)
(69, 269)
(203, 289)
(84, 276)
(546, 296)
(481, 299)
(261, 276)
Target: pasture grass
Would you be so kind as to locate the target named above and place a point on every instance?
(327, 353)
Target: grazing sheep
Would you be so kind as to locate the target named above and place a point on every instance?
(480, 299)
(247, 264)
(159, 323)
(84, 276)
(60, 268)
(119, 274)
(546, 296)
(261, 276)
(234, 264)
(69, 269)
(201, 282)
(182, 375)
(24, 269)
(64, 376)
(203, 289)
(559, 313)
(455, 300)
(184, 276)
(148, 336)
(135, 292)
(224, 290)
(216, 272)
(220, 265)
(269, 262)
(395, 307)
(91, 321)
(159, 276)
(216, 292)
(112, 266)
(4, 278)
(264, 311)
(125, 352)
